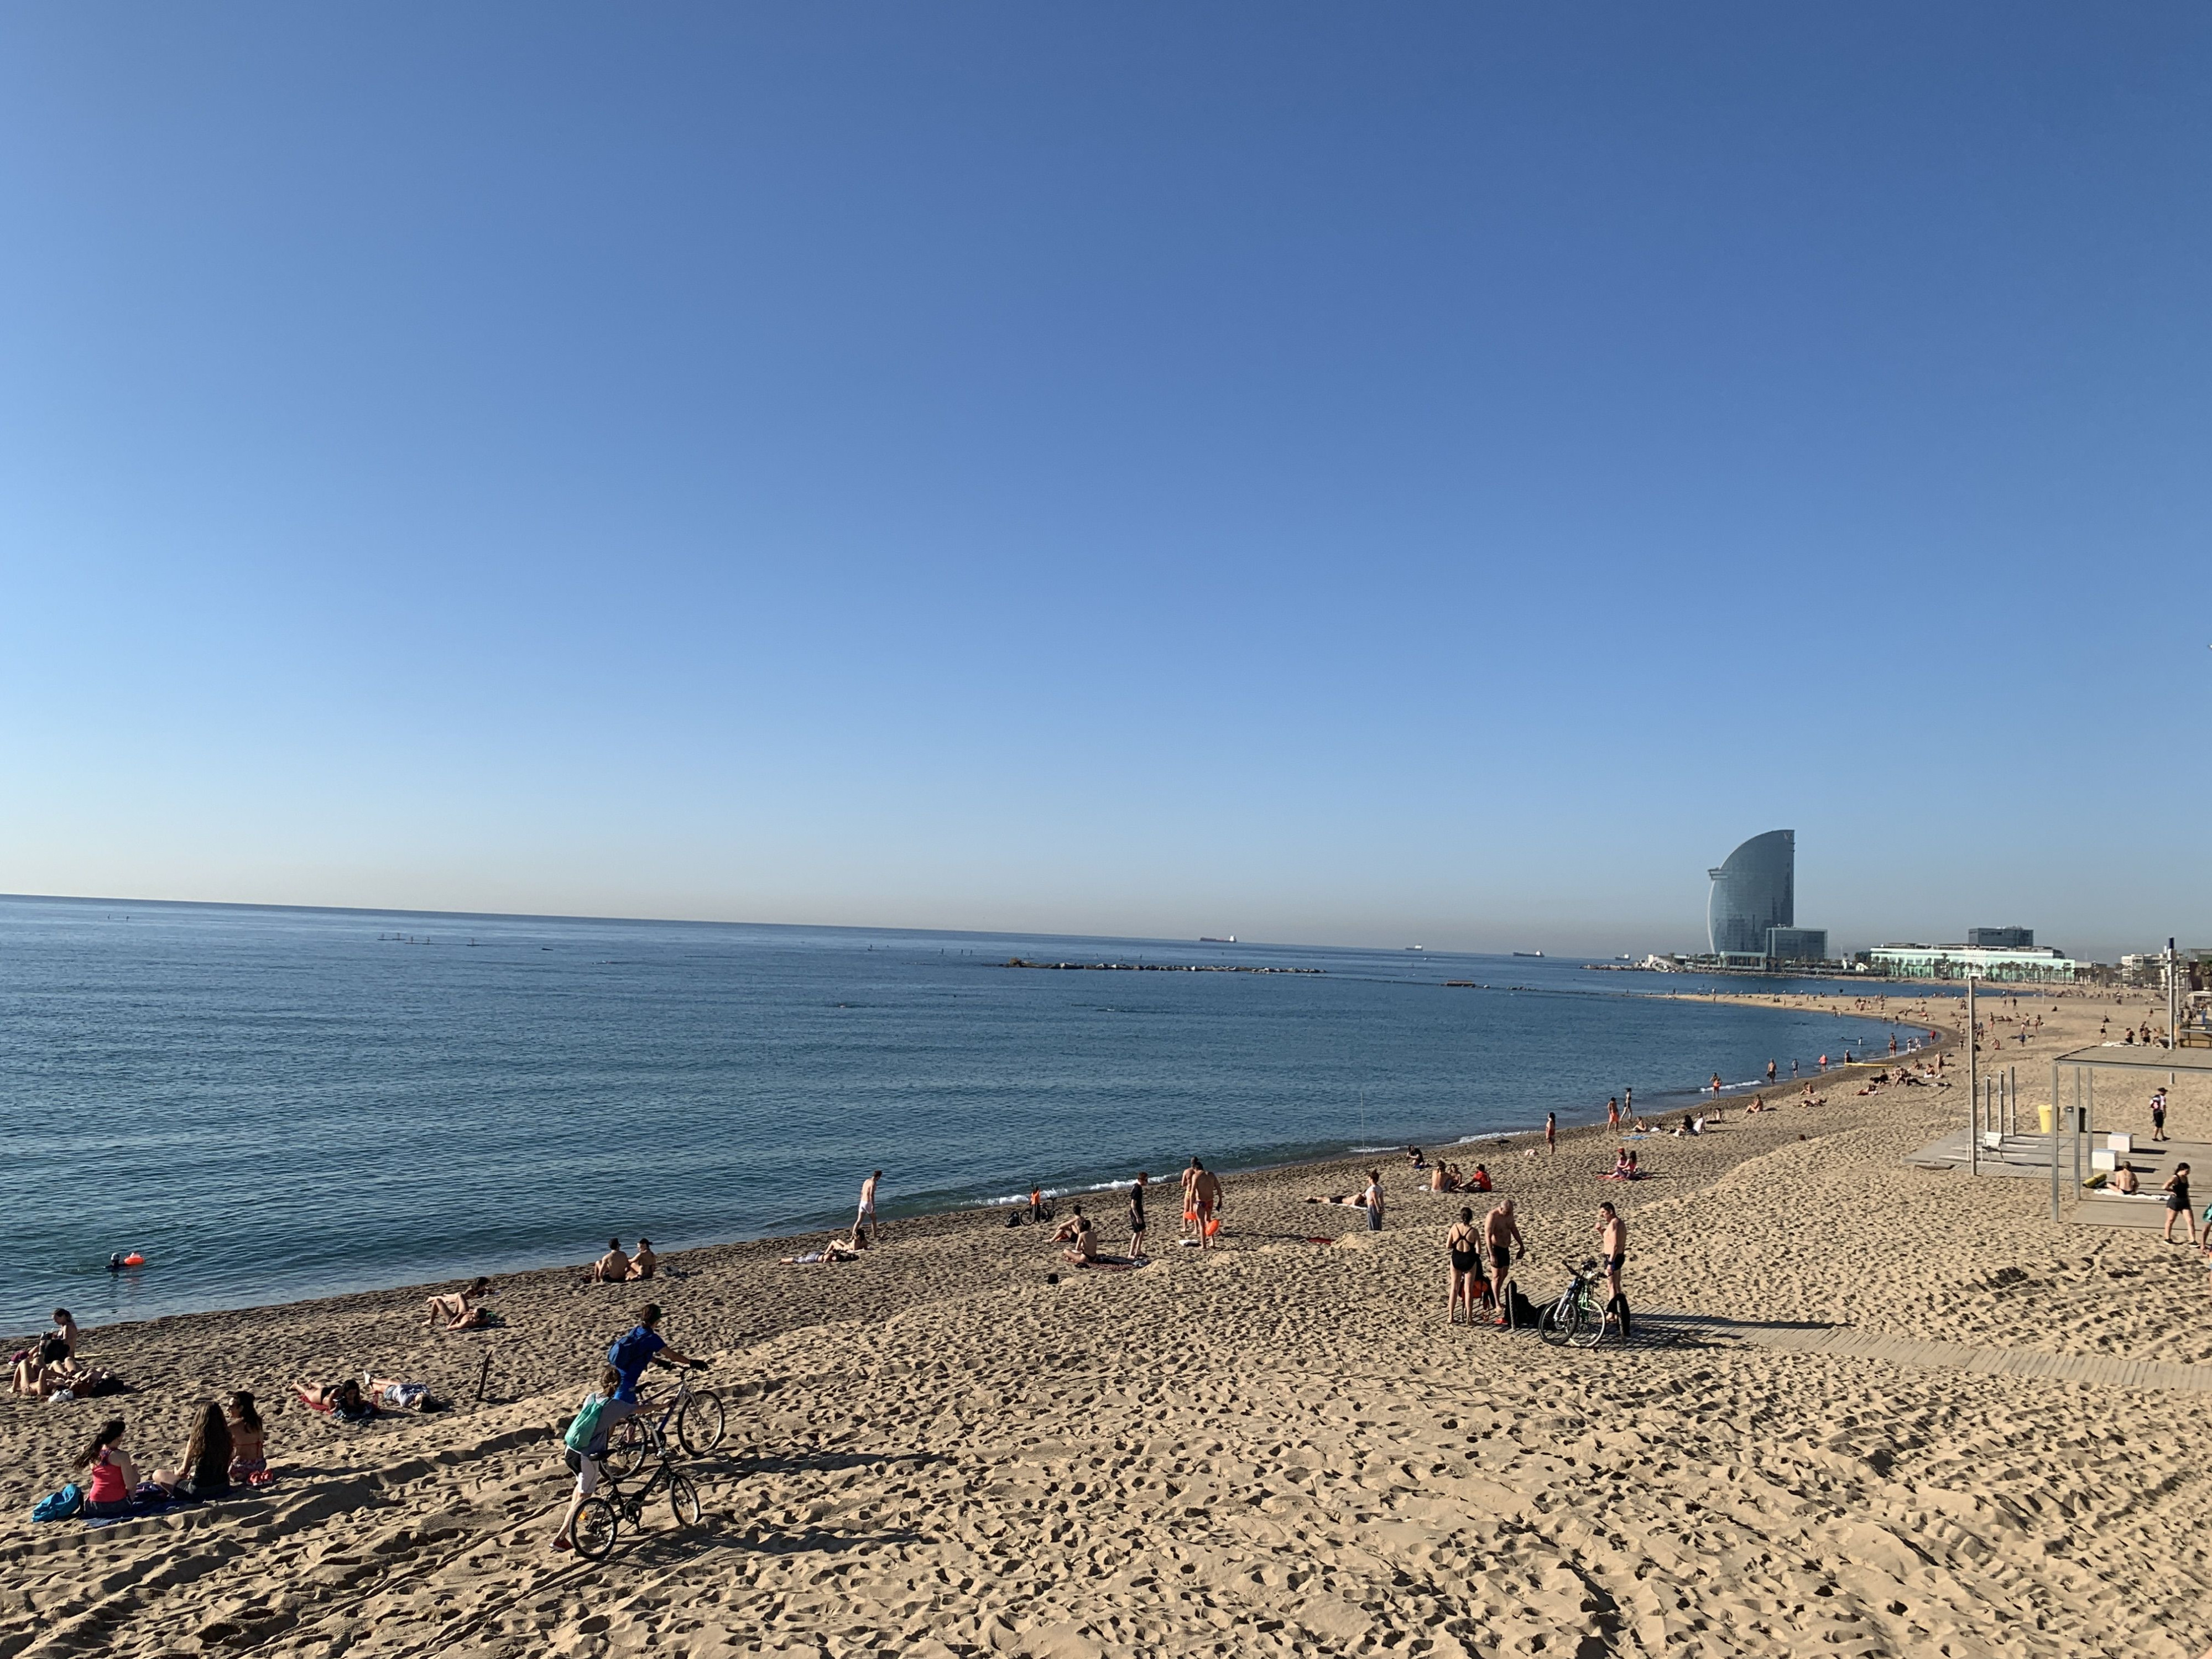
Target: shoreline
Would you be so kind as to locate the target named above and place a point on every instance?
(990, 1211)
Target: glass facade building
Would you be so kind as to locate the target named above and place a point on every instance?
(1796, 944)
(1755, 889)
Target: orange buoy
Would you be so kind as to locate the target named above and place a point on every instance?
(134, 1259)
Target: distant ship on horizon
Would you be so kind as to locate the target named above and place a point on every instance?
(1204, 939)
(1528, 953)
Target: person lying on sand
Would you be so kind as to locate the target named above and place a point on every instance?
(835, 1250)
(343, 1399)
(613, 1267)
(459, 1308)
(1349, 1201)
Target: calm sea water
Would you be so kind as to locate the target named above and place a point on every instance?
(272, 1103)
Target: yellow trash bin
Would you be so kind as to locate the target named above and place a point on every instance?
(2043, 1118)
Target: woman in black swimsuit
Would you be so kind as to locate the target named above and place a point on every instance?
(1463, 1244)
(2176, 1203)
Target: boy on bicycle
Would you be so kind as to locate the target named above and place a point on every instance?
(586, 1443)
(644, 1347)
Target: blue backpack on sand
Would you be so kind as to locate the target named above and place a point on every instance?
(63, 1505)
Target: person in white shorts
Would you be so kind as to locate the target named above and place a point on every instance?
(866, 1218)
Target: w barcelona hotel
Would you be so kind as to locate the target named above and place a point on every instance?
(1751, 917)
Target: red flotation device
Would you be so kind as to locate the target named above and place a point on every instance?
(134, 1259)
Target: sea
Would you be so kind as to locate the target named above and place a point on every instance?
(270, 1103)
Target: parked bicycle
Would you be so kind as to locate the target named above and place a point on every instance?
(600, 1517)
(1578, 1319)
(692, 1419)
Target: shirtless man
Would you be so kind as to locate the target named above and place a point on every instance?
(1612, 1251)
(1190, 1198)
(866, 1217)
(1204, 1198)
(1500, 1233)
(1085, 1239)
(613, 1267)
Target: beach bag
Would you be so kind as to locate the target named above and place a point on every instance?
(586, 1429)
(1521, 1313)
(63, 1505)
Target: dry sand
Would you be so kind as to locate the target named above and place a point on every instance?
(1273, 1447)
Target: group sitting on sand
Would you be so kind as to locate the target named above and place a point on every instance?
(50, 1370)
(1446, 1178)
(1624, 1168)
(616, 1267)
(226, 1450)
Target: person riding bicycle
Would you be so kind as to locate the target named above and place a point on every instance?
(644, 1345)
(586, 1443)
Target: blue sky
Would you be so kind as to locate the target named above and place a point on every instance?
(1442, 473)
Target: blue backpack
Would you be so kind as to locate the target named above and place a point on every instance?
(632, 1353)
(63, 1505)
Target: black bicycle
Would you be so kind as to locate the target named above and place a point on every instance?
(693, 1420)
(600, 1517)
(1577, 1319)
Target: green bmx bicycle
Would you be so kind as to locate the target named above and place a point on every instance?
(1578, 1318)
(601, 1517)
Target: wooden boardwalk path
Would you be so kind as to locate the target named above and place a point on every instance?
(2098, 1370)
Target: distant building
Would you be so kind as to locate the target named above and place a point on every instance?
(2001, 939)
(1754, 890)
(1797, 944)
(1958, 961)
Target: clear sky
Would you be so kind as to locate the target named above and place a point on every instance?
(1436, 472)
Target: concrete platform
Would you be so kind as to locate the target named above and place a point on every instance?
(2028, 1158)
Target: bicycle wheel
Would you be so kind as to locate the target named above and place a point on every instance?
(700, 1425)
(596, 1524)
(683, 1500)
(1556, 1323)
(627, 1448)
(1589, 1324)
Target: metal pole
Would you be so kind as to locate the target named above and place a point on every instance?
(2054, 1140)
(2172, 1010)
(2081, 1128)
(1973, 1087)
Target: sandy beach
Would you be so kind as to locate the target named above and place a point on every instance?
(1275, 1446)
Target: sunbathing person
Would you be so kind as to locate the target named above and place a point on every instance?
(48, 1370)
(1440, 1180)
(65, 1328)
(645, 1262)
(458, 1310)
(2123, 1179)
(835, 1250)
(1086, 1242)
(114, 1478)
(340, 1400)
(613, 1267)
(205, 1470)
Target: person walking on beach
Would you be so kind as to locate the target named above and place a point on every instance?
(1137, 1217)
(2176, 1203)
(1463, 1249)
(1204, 1198)
(1191, 1199)
(2158, 1115)
(1770, 1070)
(1500, 1233)
(643, 1345)
(1613, 1113)
(585, 1444)
(1628, 1102)
(1552, 1132)
(865, 1220)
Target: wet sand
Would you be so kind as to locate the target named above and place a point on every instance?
(1276, 1446)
